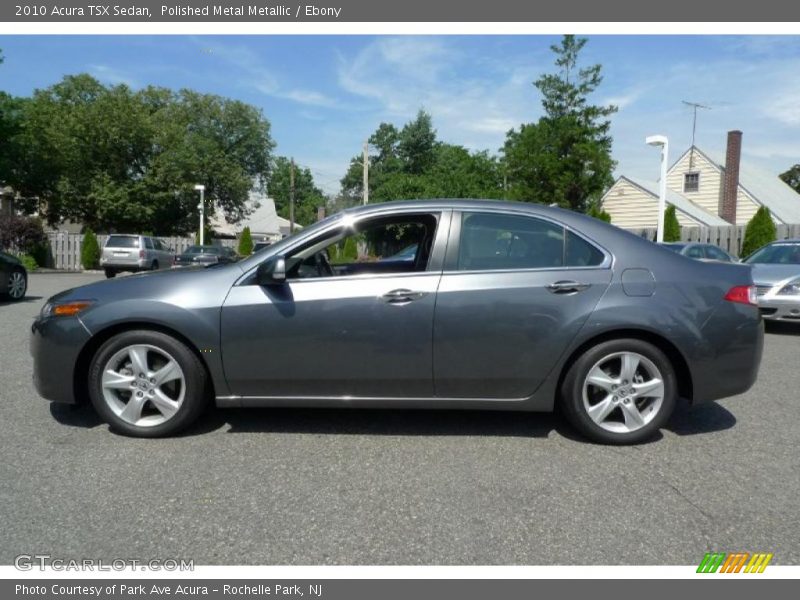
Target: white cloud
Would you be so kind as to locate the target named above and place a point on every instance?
(111, 75)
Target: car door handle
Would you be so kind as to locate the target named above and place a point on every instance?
(402, 296)
(566, 287)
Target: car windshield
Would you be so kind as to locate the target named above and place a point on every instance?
(122, 241)
(776, 254)
(674, 247)
(204, 250)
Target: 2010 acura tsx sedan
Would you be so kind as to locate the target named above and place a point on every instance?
(505, 306)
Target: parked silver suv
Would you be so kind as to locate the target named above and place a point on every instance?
(123, 252)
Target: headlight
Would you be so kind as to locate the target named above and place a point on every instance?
(65, 309)
(790, 289)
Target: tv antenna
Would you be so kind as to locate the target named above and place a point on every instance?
(694, 106)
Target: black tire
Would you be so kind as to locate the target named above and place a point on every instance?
(572, 401)
(110, 273)
(196, 393)
(11, 275)
(154, 266)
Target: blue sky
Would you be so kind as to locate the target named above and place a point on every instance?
(325, 94)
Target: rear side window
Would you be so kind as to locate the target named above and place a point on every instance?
(695, 252)
(495, 241)
(716, 254)
(148, 243)
(122, 241)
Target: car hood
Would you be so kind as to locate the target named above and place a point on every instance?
(772, 274)
(211, 284)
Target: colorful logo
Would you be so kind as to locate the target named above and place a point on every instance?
(735, 562)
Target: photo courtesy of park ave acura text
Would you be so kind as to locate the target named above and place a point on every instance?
(403, 299)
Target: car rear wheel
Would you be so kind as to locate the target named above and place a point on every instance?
(17, 285)
(147, 384)
(154, 266)
(620, 391)
(110, 273)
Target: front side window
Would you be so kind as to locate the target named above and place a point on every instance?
(492, 242)
(398, 244)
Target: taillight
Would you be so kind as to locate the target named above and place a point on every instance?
(141, 253)
(743, 294)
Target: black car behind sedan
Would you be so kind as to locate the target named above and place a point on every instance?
(205, 255)
(13, 278)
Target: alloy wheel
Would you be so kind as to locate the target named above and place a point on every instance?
(623, 392)
(17, 284)
(143, 385)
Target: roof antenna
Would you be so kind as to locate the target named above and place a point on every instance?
(694, 106)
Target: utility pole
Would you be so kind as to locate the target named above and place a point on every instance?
(291, 198)
(694, 106)
(202, 206)
(365, 161)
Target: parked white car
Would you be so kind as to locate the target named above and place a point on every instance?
(124, 252)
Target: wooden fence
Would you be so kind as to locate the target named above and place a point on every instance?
(65, 248)
(728, 238)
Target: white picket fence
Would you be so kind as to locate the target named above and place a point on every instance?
(65, 248)
(728, 238)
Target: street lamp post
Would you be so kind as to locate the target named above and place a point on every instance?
(202, 206)
(663, 142)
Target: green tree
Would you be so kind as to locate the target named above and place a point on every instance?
(565, 157)
(792, 178)
(672, 229)
(115, 159)
(90, 251)
(411, 163)
(245, 243)
(307, 196)
(760, 230)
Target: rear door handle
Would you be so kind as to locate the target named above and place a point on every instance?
(566, 287)
(402, 296)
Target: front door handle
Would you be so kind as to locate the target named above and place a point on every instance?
(566, 287)
(402, 296)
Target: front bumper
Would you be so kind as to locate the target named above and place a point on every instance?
(55, 344)
(778, 308)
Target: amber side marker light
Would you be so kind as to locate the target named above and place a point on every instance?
(69, 309)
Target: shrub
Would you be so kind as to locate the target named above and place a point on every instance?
(597, 212)
(24, 235)
(759, 231)
(28, 262)
(90, 251)
(245, 243)
(672, 229)
(350, 250)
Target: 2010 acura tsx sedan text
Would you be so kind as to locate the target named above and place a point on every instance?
(506, 306)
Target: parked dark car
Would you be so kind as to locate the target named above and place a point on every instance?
(205, 255)
(13, 278)
(505, 306)
(699, 251)
(776, 271)
(259, 246)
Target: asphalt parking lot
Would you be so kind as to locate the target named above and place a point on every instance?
(300, 486)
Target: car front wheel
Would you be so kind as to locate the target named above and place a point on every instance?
(620, 391)
(147, 384)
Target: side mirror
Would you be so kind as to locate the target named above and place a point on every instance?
(272, 271)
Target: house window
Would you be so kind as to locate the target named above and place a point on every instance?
(691, 182)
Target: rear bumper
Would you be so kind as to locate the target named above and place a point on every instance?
(728, 363)
(115, 265)
(55, 345)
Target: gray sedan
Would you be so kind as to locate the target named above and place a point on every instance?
(503, 306)
(776, 271)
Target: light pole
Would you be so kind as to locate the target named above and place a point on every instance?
(663, 142)
(202, 206)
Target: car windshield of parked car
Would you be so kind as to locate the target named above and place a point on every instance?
(122, 241)
(776, 254)
(204, 250)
